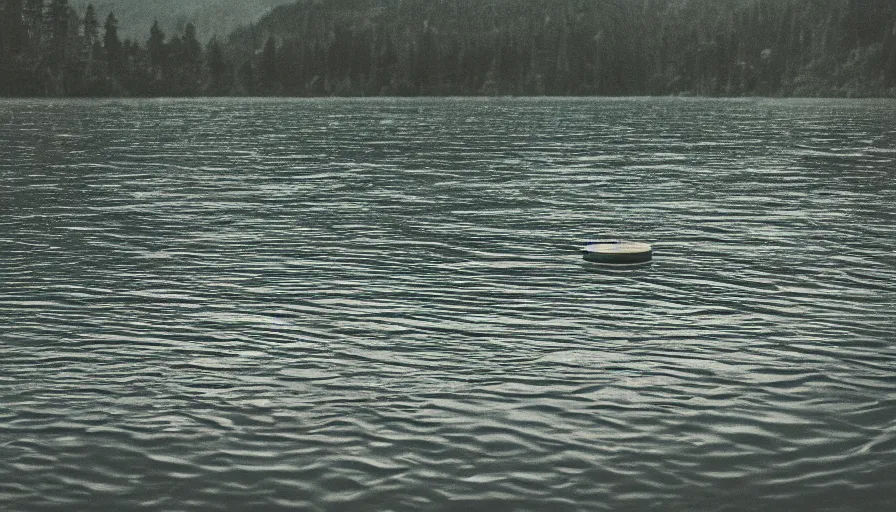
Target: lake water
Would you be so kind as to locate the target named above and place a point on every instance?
(380, 305)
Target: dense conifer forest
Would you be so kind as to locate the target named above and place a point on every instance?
(210, 17)
(466, 47)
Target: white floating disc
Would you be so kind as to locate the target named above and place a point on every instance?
(618, 253)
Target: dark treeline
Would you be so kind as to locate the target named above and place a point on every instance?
(48, 49)
(468, 47)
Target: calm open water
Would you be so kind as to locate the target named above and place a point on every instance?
(379, 305)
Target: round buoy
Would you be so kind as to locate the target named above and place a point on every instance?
(617, 253)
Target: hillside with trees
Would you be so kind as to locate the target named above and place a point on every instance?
(466, 47)
(210, 17)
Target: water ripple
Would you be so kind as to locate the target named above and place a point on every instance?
(380, 305)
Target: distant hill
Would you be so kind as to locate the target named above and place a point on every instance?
(211, 17)
(573, 47)
(455, 48)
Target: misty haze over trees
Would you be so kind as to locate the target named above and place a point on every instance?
(465, 47)
(210, 17)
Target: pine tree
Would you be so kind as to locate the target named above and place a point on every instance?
(219, 70)
(247, 79)
(57, 21)
(92, 33)
(192, 50)
(267, 68)
(890, 57)
(13, 36)
(155, 46)
(112, 45)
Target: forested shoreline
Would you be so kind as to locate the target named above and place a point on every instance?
(807, 48)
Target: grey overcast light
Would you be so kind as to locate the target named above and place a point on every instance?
(211, 17)
(448, 255)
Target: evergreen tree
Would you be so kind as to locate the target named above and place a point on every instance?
(155, 46)
(219, 70)
(192, 50)
(889, 57)
(112, 45)
(13, 36)
(267, 68)
(247, 79)
(57, 21)
(92, 32)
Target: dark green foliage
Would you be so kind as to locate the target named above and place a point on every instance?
(247, 80)
(267, 71)
(112, 46)
(58, 21)
(91, 33)
(211, 17)
(13, 29)
(156, 48)
(46, 49)
(183, 67)
(579, 47)
(220, 71)
(469, 47)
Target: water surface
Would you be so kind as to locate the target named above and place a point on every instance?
(375, 305)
